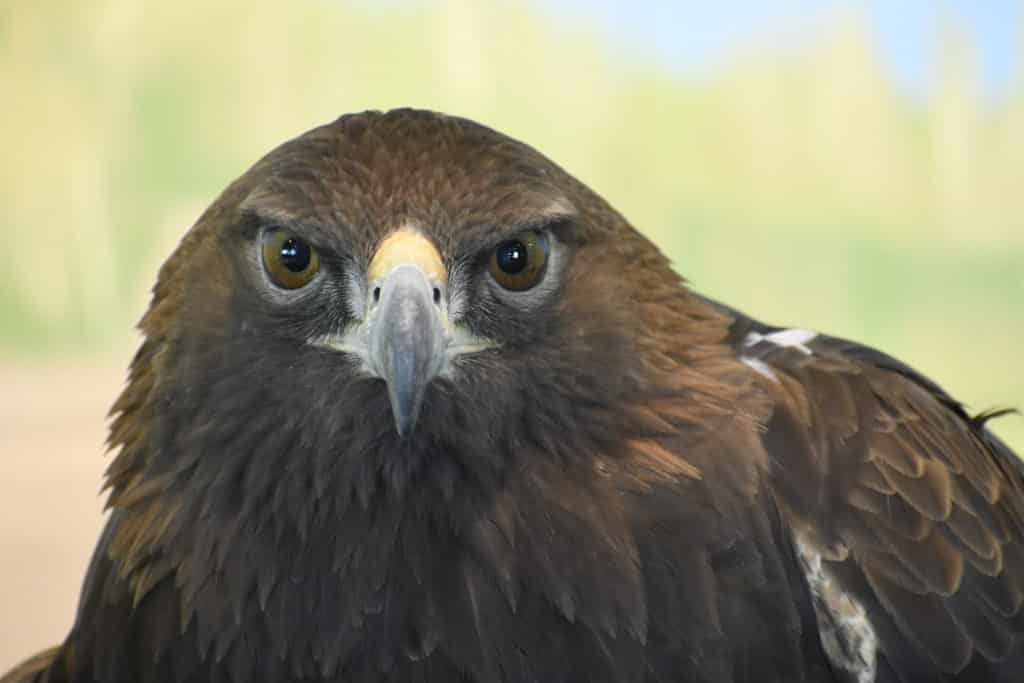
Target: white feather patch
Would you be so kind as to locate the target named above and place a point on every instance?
(760, 367)
(793, 338)
(847, 635)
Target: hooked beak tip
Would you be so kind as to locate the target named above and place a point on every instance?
(404, 426)
(406, 394)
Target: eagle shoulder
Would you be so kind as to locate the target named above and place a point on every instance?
(907, 514)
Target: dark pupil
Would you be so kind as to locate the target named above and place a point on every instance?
(295, 255)
(512, 257)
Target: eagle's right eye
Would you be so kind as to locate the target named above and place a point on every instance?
(290, 261)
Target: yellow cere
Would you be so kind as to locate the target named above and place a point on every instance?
(407, 247)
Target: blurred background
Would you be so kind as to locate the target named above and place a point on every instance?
(857, 168)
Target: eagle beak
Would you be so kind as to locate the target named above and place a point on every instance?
(407, 334)
(407, 341)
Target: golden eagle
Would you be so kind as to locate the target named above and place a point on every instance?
(414, 404)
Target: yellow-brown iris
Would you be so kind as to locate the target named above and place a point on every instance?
(518, 264)
(289, 260)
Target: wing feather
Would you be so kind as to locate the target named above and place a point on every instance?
(35, 669)
(913, 507)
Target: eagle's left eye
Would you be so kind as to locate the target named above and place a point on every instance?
(289, 260)
(519, 263)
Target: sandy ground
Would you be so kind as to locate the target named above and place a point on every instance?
(52, 428)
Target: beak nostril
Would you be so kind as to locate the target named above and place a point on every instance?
(376, 294)
(437, 295)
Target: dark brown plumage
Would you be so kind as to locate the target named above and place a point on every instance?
(362, 457)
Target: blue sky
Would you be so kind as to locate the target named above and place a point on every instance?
(694, 36)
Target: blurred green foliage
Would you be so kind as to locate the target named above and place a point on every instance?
(802, 187)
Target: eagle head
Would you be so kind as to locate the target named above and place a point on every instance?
(393, 289)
